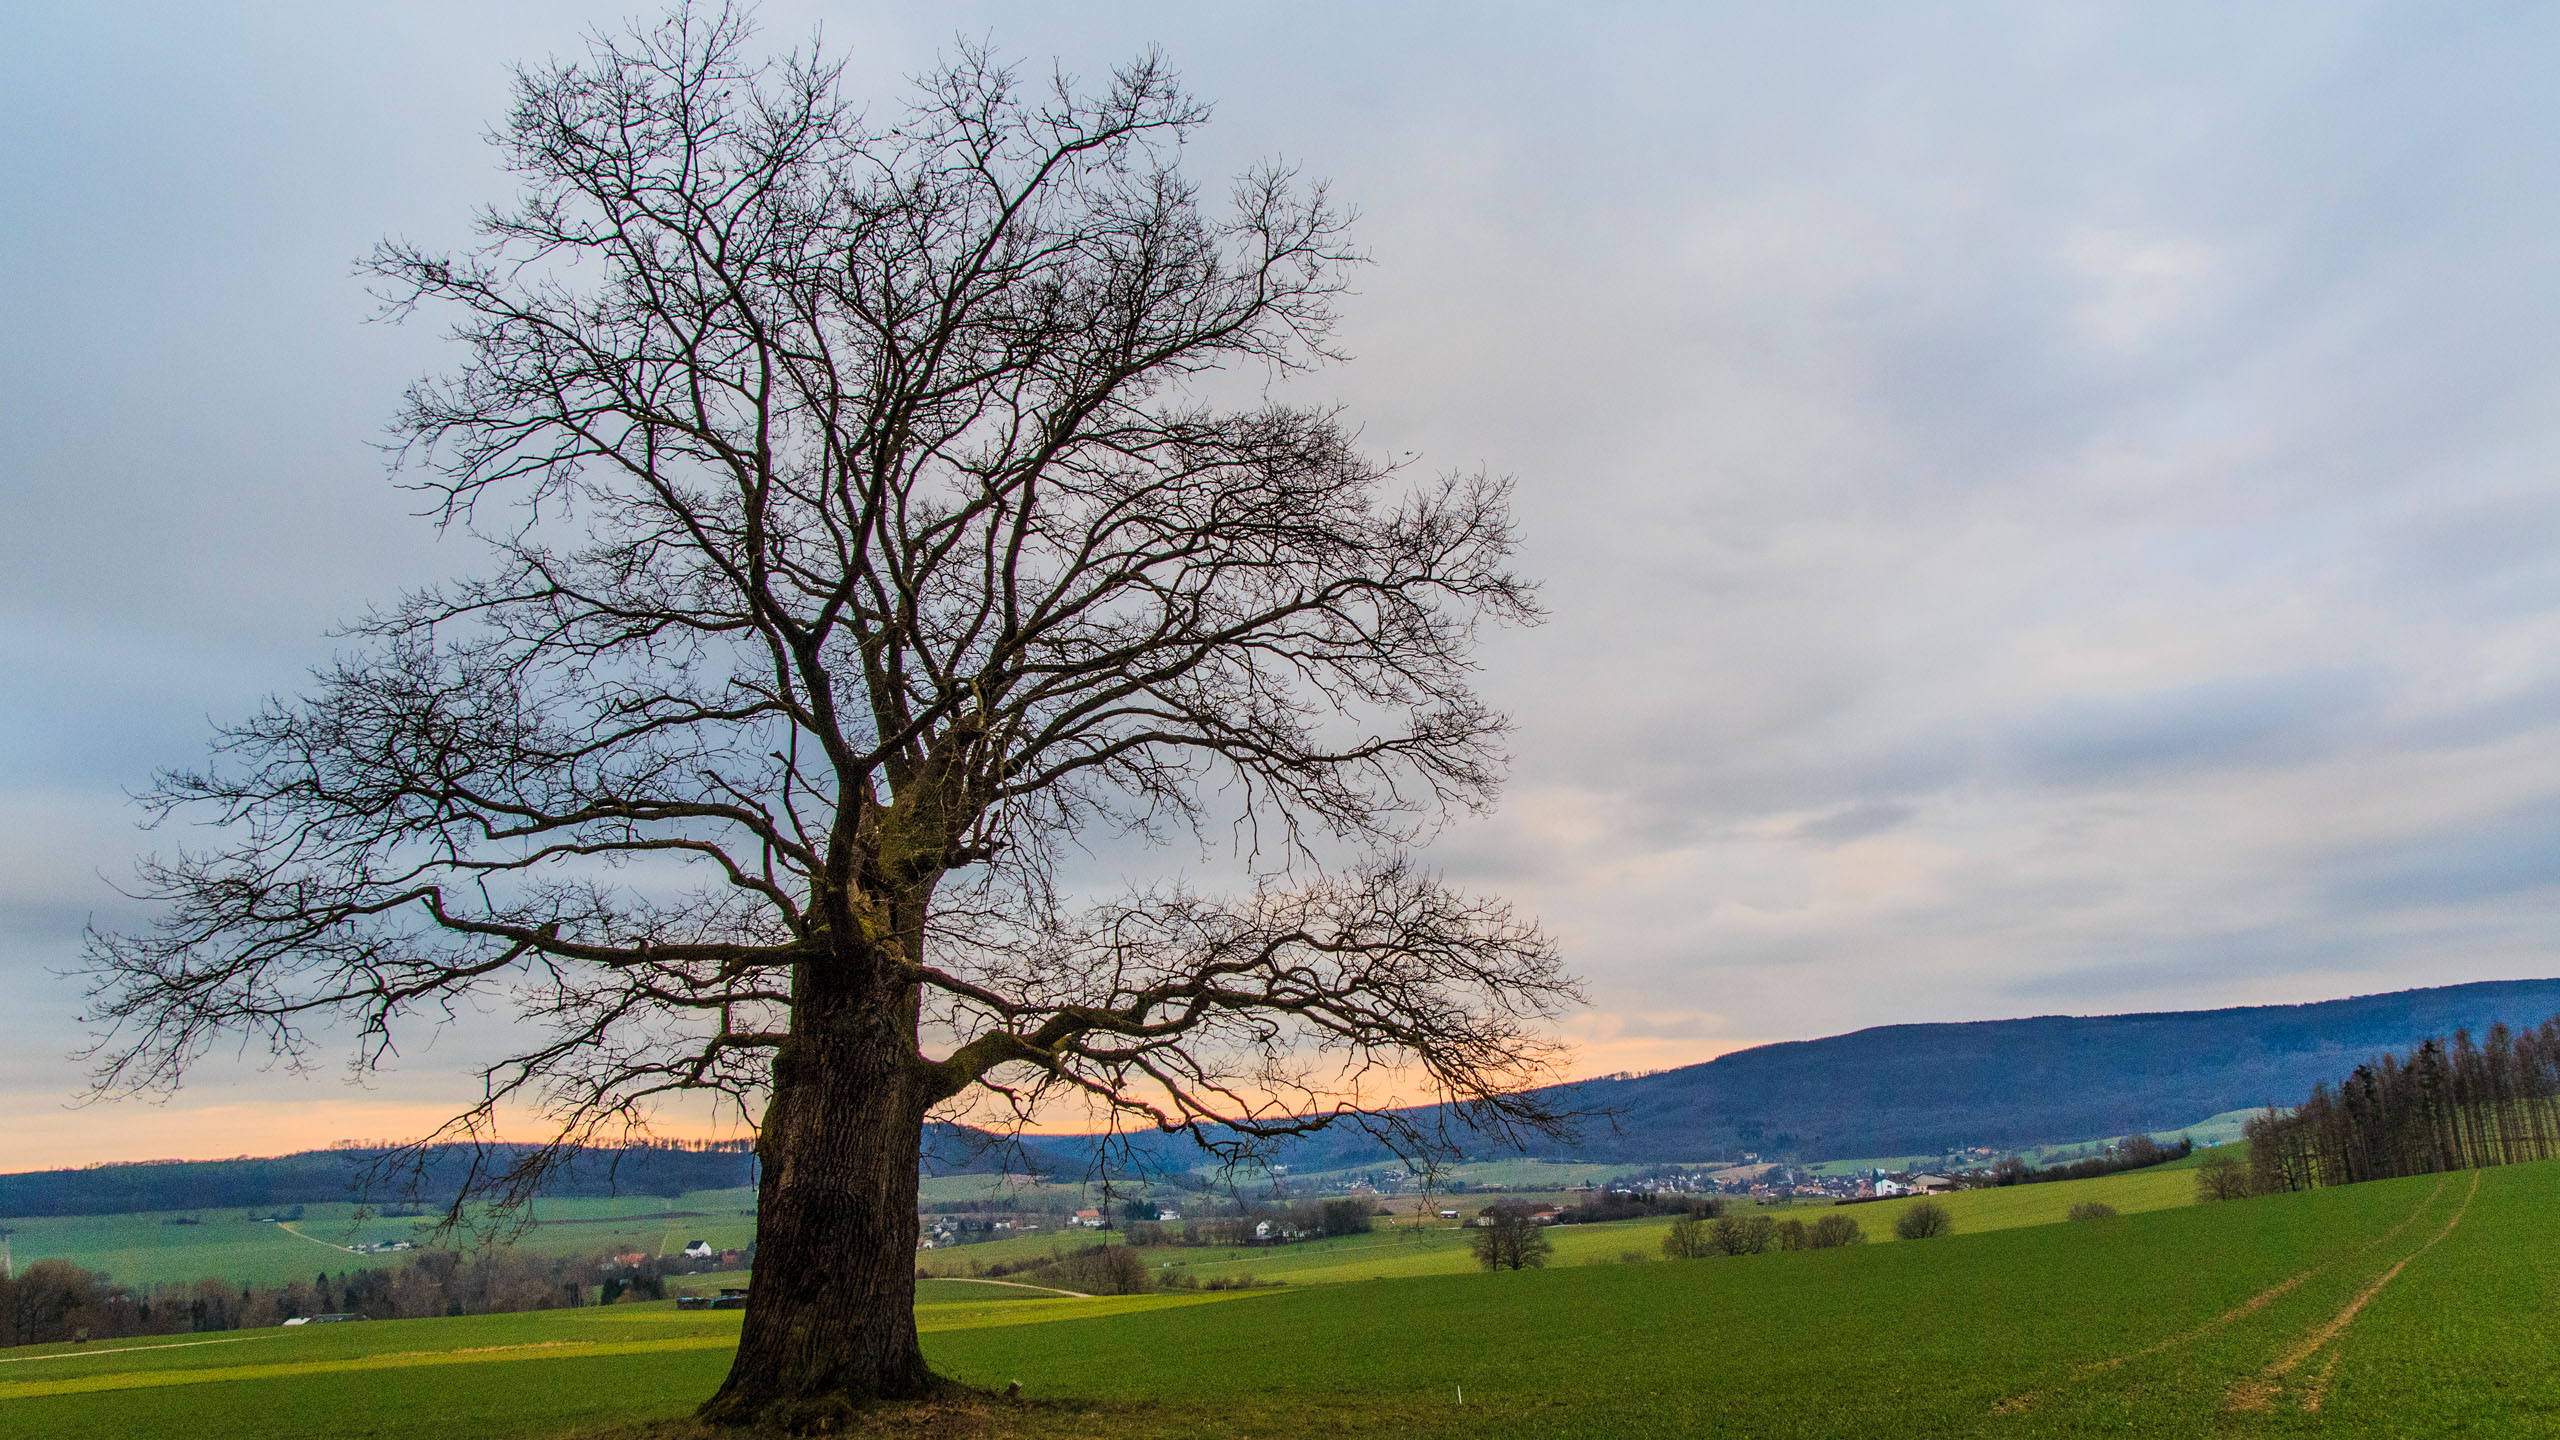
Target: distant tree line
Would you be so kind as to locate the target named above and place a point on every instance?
(1638, 1205)
(54, 1301)
(1697, 1237)
(2457, 1106)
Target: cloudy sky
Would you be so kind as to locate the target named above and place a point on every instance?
(2044, 509)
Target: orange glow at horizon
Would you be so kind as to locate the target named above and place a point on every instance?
(56, 1138)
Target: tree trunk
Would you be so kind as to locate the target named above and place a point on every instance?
(830, 1320)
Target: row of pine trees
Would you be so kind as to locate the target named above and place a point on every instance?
(2456, 1106)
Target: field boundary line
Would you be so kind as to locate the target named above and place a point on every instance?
(131, 1349)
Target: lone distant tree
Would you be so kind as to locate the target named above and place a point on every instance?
(2220, 1177)
(1507, 1239)
(1687, 1239)
(1925, 1221)
(861, 537)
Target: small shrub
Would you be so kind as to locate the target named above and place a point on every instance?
(1794, 1235)
(1925, 1221)
(1834, 1230)
(2093, 1210)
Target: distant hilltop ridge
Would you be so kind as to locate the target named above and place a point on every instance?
(1899, 1090)
(1924, 1089)
(1887, 1091)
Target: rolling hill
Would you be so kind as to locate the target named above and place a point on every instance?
(1921, 1089)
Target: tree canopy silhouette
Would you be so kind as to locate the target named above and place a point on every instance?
(864, 534)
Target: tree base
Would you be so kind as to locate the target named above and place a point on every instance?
(834, 1414)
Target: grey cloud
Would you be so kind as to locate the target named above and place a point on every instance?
(1853, 822)
(2280, 719)
(2512, 852)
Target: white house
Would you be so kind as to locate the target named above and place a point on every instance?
(699, 1250)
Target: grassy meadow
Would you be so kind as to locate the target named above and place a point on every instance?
(2427, 1306)
(146, 1249)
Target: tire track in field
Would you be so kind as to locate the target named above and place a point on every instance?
(2261, 1392)
(2268, 1296)
(2320, 1386)
(2090, 1370)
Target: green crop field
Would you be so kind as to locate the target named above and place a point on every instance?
(230, 1244)
(2419, 1307)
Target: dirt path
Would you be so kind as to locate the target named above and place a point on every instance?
(287, 1227)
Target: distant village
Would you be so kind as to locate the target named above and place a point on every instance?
(1280, 1212)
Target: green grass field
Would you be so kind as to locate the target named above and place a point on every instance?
(145, 1250)
(2419, 1307)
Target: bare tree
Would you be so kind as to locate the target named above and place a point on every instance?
(861, 538)
(2220, 1177)
(1507, 1238)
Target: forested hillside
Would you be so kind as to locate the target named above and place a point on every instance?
(1918, 1089)
(1923, 1089)
(343, 1173)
